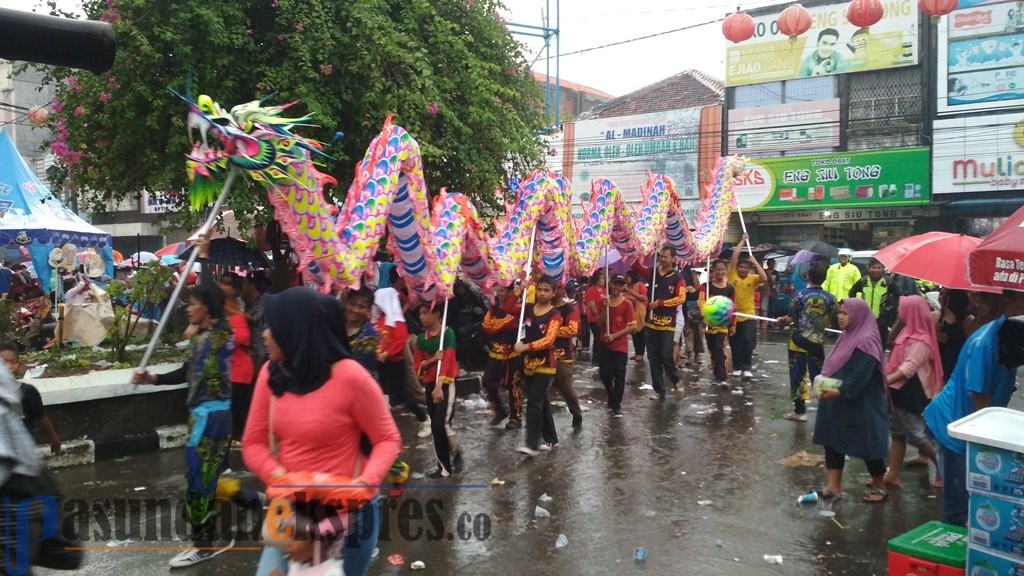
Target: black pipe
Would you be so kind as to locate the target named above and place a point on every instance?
(85, 44)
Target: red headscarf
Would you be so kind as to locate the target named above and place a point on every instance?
(918, 326)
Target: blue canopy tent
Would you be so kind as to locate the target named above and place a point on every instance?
(32, 217)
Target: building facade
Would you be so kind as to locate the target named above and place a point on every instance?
(978, 131)
(672, 127)
(836, 126)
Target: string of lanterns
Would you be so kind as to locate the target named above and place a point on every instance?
(796, 20)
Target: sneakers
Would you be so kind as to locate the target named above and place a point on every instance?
(545, 446)
(616, 413)
(736, 373)
(748, 375)
(440, 473)
(528, 451)
(577, 421)
(192, 556)
(794, 417)
(424, 430)
(723, 385)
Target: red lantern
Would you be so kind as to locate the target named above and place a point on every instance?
(864, 13)
(738, 26)
(937, 8)
(794, 21)
(38, 116)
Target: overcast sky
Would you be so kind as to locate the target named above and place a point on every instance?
(591, 23)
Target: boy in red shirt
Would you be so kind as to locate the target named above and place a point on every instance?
(618, 313)
(439, 392)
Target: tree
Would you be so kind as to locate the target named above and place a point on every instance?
(449, 70)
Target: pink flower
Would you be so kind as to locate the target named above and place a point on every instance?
(300, 27)
(104, 97)
(432, 109)
(79, 111)
(103, 144)
(326, 69)
(70, 81)
(57, 107)
(280, 37)
(78, 88)
(248, 31)
(274, 4)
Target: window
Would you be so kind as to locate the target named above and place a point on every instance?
(756, 95)
(811, 89)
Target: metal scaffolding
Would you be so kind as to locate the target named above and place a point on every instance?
(548, 33)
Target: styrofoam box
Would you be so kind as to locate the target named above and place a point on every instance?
(997, 524)
(986, 563)
(995, 450)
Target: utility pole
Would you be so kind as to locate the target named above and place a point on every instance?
(552, 40)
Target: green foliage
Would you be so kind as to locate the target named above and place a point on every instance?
(143, 291)
(449, 70)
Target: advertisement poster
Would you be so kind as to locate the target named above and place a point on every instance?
(979, 154)
(797, 126)
(831, 46)
(625, 149)
(981, 57)
(897, 177)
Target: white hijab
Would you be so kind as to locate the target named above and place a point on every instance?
(387, 301)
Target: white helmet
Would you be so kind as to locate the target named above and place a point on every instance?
(846, 252)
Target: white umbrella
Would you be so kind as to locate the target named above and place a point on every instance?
(609, 258)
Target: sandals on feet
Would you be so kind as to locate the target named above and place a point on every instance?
(876, 496)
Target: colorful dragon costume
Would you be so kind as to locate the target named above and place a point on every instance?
(430, 246)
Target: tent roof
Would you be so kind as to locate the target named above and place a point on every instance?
(29, 213)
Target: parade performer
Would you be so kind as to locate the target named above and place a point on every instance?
(621, 323)
(717, 336)
(391, 366)
(504, 365)
(542, 323)
(668, 294)
(432, 348)
(208, 375)
(747, 286)
(565, 353)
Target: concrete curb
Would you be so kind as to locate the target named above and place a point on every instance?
(97, 385)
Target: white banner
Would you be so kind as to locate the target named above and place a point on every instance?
(158, 202)
(798, 126)
(978, 154)
(625, 149)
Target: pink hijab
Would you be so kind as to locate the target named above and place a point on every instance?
(861, 334)
(918, 326)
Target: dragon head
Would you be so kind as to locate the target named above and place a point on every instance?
(252, 137)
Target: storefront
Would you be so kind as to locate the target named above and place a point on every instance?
(978, 171)
(862, 200)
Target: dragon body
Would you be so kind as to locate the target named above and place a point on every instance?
(431, 245)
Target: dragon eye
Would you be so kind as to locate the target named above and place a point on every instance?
(205, 104)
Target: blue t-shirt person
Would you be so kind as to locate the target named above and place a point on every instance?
(977, 371)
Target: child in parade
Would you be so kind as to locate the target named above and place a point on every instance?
(440, 389)
(811, 310)
(504, 365)
(542, 323)
(391, 366)
(565, 353)
(620, 323)
(716, 335)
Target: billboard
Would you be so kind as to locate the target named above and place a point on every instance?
(981, 57)
(978, 154)
(798, 126)
(624, 149)
(831, 46)
(896, 177)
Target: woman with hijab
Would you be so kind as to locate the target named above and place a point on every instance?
(208, 375)
(391, 358)
(914, 376)
(316, 404)
(853, 418)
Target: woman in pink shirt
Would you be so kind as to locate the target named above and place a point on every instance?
(318, 403)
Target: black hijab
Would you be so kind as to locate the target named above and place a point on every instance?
(306, 325)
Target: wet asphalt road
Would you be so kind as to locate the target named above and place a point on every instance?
(696, 479)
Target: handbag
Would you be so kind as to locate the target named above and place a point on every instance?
(318, 566)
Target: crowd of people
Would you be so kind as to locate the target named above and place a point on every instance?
(297, 380)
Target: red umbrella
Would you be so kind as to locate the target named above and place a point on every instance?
(999, 260)
(938, 257)
(172, 250)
